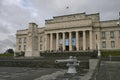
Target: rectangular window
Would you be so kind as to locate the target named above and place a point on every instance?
(81, 34)
(66, 35)
(40, 46)
(103, 44)
(20, 40)
(96, 36)
(19, 47)
(111, 34)
(60, 36)
(40, 38)
(103, 35)
(25, 40)
(119, 34)
(24, 47)
(112, 44)
(96, 46)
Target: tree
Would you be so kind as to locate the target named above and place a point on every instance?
(9, 51)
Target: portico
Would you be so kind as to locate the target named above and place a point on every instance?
(69, 41)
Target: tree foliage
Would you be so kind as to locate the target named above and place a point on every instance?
(9, 51)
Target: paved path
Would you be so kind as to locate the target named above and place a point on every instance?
(109, 70)
(17, 73)
(83, 74)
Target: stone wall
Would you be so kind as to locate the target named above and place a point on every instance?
(42, 63)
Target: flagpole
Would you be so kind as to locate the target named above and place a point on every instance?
(118, 22)
(67, 9)
(119, 18)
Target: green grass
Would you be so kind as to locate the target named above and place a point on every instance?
(6, 55)
(112, 53)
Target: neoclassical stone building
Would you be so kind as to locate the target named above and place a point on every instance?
(74, 32)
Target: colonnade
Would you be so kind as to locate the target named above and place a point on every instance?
(63, 41)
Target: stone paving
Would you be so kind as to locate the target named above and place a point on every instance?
(18, 73)
(24, 73)
(84, 74)
(109, 70)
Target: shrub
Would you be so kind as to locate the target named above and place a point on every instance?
(19, 54)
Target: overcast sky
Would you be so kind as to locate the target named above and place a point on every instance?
(16, 14)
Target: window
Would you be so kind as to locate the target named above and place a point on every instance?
(81, 34)
(96, 46)
(60, 36)
(19, 47)
(20, 40)
(103, 35)
(112, 44)
(40, 46)
(25, 40)
(66, 35)
(119, 34)
(24, 47)
(103, 44)
(96, 36)
(40, 38)
(112, 34)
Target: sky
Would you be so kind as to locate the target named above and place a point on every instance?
(16, 14)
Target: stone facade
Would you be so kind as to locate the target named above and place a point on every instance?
(74, 32)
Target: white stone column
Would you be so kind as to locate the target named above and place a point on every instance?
(57, 41)
(99, 40)
(70, 41)
(91, 43)
(51, 41)
(84, 40)
(77, 41)
(63, 41)
(46, 42)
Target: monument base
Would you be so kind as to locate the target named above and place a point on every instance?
(32, 54)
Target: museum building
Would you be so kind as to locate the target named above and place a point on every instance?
(73, 32)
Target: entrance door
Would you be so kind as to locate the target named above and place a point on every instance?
(67, 48)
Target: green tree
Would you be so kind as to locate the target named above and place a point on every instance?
(9, 51)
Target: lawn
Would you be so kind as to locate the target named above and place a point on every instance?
(6, 55)
(110, 53)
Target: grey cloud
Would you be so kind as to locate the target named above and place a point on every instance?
(17, 16)
(58, 7)
(3, 29)
(7, 43)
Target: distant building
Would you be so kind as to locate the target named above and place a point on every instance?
(74, 32)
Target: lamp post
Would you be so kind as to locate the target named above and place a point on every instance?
(118, 23)
(99, 53)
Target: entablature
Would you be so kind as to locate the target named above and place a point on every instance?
(70, 24)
